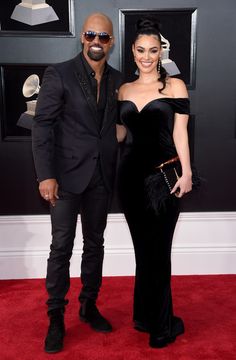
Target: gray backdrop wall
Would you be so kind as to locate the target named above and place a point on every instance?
(212, 100)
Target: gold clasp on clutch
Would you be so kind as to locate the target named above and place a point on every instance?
(176, 158)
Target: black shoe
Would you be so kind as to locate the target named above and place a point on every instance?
(56, 331)
(89, 313)
(177, 327)
(168, 336)
(140, 326)
(159, 341)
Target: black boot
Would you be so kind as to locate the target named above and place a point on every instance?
(56, 331)
(89, 313)
(168, 335)
(177, 327)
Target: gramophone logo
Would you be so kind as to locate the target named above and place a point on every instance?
(34, 12)
(30, 88)
(169, 65)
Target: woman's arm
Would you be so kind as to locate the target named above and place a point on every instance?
(180, 137)
(121, 131)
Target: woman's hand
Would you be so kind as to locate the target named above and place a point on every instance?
(182, 186)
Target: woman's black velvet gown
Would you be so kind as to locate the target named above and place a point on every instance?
(150, 131)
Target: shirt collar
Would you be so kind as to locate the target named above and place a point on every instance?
(90, 72)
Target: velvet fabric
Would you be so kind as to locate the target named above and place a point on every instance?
(150, 131)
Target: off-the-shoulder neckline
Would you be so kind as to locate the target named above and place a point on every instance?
(151, 101)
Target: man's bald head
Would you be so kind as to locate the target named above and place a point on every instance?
(100, 20)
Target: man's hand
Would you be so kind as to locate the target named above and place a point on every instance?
(48, 190)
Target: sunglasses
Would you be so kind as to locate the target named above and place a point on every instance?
(104, 37)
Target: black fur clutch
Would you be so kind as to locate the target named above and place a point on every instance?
(170, 171)
(159, 184)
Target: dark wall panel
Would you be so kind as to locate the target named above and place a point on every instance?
(213, 106)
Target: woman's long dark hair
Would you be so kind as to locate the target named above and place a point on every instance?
(149, 26)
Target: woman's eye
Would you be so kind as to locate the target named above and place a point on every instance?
(154, 51)
(140, 50)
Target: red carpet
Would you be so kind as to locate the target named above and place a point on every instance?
(206, 303)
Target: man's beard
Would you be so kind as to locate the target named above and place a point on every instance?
(95, 55)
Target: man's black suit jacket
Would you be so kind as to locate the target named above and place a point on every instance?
(67, 140)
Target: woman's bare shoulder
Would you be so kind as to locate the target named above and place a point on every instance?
(178, 87)
(124, 90)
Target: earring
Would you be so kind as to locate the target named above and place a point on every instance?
(137, 70)
(159, 66)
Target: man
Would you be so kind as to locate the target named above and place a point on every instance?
(75, 148)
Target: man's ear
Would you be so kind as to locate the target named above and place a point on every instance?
(82, 38)
(112, 41)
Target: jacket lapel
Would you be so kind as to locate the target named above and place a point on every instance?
(111, 96)
(85, 86)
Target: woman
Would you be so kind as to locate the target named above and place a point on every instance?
(154, 110)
